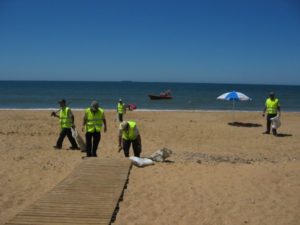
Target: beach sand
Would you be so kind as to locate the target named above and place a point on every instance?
(218, 175)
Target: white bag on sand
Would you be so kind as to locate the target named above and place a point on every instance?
(141, 162)
(275, 122)
(161, 155)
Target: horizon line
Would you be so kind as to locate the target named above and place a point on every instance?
(129, 81)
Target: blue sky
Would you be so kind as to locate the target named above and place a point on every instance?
(250, 41)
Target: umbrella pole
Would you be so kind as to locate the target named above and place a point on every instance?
(233, 106)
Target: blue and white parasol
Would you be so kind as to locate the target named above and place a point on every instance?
(234, 96)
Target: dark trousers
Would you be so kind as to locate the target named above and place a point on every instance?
(120, 115)
(66, 132)
(269, 116)
(92, 141)
(135, 145)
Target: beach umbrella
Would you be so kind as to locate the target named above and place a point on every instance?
(234, 96)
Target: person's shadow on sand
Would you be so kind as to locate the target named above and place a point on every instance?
(242, 124)
(283, 135)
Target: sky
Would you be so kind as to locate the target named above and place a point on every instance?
(209, 41)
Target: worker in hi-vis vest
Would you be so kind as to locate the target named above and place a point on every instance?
(272, 107)
(121, 110)
(129, 133)
(66, 120)
(93, 121)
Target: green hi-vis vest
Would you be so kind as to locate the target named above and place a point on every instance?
(65, 118)
(94, 120)
(121, 107)
(272, 105)
(130, 133)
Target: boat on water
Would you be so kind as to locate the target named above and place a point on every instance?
(163, 95)
(157, 97)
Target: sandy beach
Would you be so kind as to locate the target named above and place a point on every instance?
(219, 174)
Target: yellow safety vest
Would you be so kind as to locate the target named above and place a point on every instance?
(65, 118)
(121, 108)
(130, 134)
(94, 120)
(272, 105)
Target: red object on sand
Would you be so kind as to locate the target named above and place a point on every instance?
(131, 106)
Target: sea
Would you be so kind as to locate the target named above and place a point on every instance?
(186, 96)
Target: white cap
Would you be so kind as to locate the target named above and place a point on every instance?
(123, 125)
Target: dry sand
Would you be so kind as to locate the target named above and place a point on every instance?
(219, 174)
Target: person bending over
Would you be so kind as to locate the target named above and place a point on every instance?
(129, 134)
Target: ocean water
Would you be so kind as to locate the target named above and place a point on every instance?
(187, 96)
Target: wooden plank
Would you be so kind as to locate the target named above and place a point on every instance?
(88, 196)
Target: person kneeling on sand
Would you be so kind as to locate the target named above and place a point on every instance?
(66, 120)
(129, 133)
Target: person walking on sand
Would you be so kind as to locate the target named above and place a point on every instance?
(66, 120)
(93, 121)
(272, 107)
(129, 133)
(121, 109)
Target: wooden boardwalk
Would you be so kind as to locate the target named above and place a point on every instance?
(88, 196)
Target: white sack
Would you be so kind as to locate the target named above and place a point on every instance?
(141, 162)
(79, 140)
(161, 155)
(275, 122)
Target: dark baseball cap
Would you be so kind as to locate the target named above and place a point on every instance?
(62, 101)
